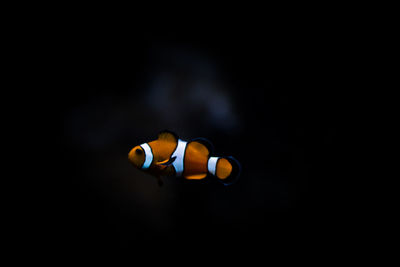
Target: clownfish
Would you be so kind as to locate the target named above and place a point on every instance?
(170, 156)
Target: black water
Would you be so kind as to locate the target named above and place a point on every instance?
(272, 100)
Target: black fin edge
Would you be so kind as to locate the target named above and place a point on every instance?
(169, 162)
(236, 171)
(168, 131)
(207, 143)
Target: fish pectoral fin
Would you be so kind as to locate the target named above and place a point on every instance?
(166, 162)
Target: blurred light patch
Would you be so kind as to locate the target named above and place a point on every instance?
(181, 90)
(187, 92)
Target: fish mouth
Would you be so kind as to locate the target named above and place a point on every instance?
(131, 155)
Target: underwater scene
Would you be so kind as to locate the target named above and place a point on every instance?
(226, 139)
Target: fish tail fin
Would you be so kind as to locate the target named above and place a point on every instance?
(226, 169)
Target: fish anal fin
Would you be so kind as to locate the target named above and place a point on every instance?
(168, 136)
(196, 176)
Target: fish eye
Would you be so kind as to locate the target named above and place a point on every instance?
(138, 151)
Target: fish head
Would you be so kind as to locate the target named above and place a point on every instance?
(137, 156)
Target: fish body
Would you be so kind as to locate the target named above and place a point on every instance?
(168, 155)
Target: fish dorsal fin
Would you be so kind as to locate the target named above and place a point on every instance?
(168, 136)
(200, 147)
(205, 142)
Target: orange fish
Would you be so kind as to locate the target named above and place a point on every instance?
(170, 156)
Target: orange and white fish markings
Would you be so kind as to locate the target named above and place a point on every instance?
(179, 153)
(170, 156)
(148, 156)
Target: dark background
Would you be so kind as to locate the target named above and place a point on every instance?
(270, 96)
